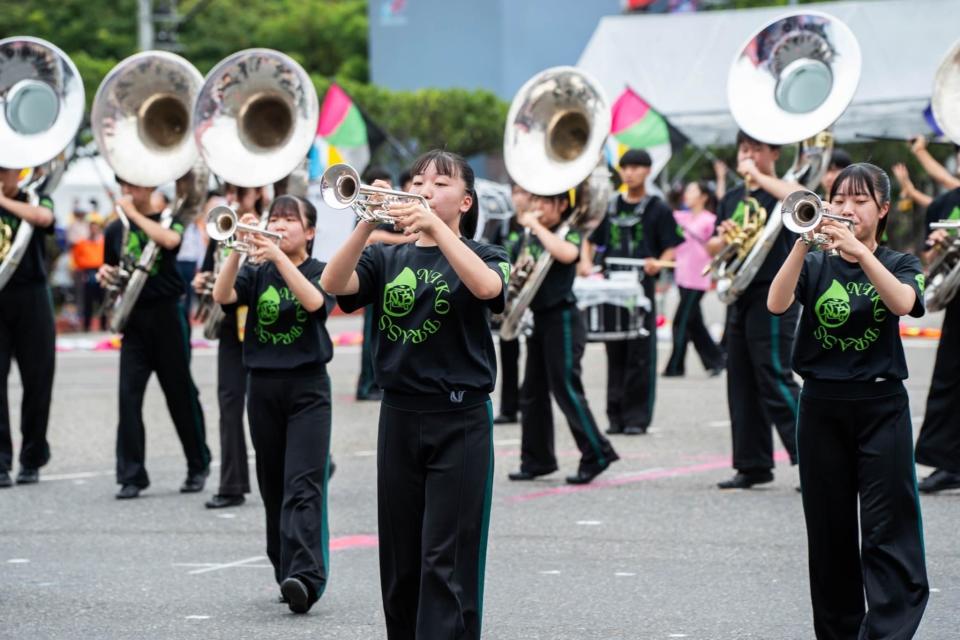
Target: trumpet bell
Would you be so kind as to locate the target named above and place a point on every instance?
(221, 223)
(256, 117)
(42, 100)
(141, 117)
(945, 100)
(556, 128)
(800, 71)
(340, 186)
(802, 211)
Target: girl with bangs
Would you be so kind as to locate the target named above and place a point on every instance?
(285, 350)
(854, 437)
(435, 361)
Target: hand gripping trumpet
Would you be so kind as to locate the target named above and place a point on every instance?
(223, 226)
(341, 188)
(803, 211)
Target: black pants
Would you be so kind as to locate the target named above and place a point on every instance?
(27, 334)
(366, 383)
(761, 390)
(290, 428)
(632, 371)
(92, 299)
(939, 442)
(554, 352)
(156, 339)
(510, 377)
(688, 326)
(434, 487)
(855, 443)
(231, 394)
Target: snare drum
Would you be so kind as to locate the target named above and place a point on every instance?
(613, 308)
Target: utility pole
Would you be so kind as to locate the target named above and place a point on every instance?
(145, 25)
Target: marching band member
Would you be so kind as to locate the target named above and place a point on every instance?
(637, 225)
(156, 339)
(26, 333)
(760, 387)
(231, 375)
(697, 222)
(435, 360)
(286, 348)
(938, 444)
(509, 238)
(853, 433)
(554, 352)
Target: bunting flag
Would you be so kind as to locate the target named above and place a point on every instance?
(636, 125)
(932, 121)
(344, 134)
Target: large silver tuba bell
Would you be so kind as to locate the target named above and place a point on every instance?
(553, 142)
(42, 100)
(789, 83)
(142, 120)
(256, 117)
(943, 275)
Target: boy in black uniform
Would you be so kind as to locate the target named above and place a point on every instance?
(155, 339)
(26, 333)
(435, 360)
(939, 442)
(854, 433)
(554, 351)
(637, 225)
(760, 387)
(286, 348)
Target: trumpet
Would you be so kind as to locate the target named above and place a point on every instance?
(223, 226)
(341, 188)
(803, 211)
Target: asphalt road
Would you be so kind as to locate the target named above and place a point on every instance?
(651, 550)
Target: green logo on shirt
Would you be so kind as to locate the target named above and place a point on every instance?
(505, 269)
(921, 281)
(833, 307)
(399, 295)
(398, 299)
(268, 312)
(833, 310)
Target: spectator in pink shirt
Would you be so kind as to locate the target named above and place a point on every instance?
(697, 222)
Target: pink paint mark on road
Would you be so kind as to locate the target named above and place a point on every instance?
(353, 542)
(717, 462)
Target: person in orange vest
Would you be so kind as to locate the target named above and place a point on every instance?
(87, 253)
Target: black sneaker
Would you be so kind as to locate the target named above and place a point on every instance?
(222, 501)
(614, 429)
(28, 475)
(586, 475)
(505, 418)
(940, 480)
(634, 429)
(746, 479)
(297, 595)
(5, 481)
(194, 482)
(128, 492)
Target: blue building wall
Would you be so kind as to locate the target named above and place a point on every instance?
(477, 44)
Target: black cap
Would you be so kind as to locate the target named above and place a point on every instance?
(636, 157)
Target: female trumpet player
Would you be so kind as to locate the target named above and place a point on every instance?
(435, 361)
(26, 333)
(854, 436)
(286, 348)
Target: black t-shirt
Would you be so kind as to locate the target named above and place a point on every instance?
(32, 269)
(432, 336)
(731, 207)
(280, 335)
(637, 230)
(845, 331)
(557, 287)
(165, 283)
(510, 240)
(946, 206)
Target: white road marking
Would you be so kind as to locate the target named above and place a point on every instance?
(197, 617)
(17, 561)
(506, 443)
(624, 574)
(716, 424)
(677, 635)
(226, 565)
(589, 523)
(630, 474)
(934, 590)
(226, 516)
(369, 453)
(550, 573)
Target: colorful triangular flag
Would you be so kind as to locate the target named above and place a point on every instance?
(344, 134)
(636, 125)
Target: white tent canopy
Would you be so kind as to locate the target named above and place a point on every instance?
(679, 62)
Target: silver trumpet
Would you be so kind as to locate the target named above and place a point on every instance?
(803, 211)
(223, 226)
(341, 188)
